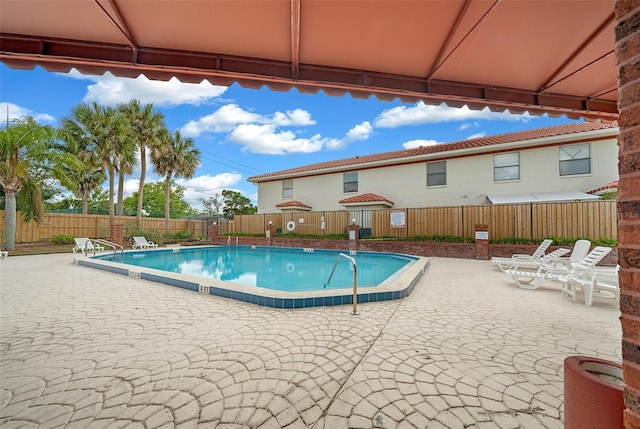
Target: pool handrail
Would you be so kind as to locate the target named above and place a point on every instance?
(355, 279)
(114, 246)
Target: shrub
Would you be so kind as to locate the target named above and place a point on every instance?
(62, 239)
(180, 235)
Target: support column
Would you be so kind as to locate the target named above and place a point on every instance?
(213, 232)
(270, 232)
(482, 241)
(116, 234)
(627, 36)
(354, 236)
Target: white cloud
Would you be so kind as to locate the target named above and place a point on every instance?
(17, 112)
(205, 186)
(267, 139)
(110, 90)
(468, 125)
(411, 144)
(227, 117)
(427, 114)
(476, 135)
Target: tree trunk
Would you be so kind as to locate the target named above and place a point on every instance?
(121, 179)
(143, 172)
(9, 219)
(167, 195)
(112, 180)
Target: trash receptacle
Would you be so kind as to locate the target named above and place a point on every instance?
(593, 393)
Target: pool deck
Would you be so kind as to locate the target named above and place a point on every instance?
(83, 348)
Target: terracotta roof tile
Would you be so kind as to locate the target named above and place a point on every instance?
(539, 133)
(365, 198)
(610, 185)
(293, 204)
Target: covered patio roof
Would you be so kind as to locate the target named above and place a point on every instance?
(553, 57)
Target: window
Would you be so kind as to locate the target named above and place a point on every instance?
(287, 188)
(575, 159)
(351, 182)
(506, 166)
(437, 173)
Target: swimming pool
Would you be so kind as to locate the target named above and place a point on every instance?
(271, 276)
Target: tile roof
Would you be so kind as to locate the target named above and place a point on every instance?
(365, 198)
(540, 133)
(293, 204)
(608, 186)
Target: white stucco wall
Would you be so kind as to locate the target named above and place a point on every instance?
(469, 181)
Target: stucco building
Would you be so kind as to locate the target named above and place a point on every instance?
(554, 163)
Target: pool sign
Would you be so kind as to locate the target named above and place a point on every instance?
(398, 218)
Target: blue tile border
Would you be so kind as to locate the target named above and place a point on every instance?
(267, 301)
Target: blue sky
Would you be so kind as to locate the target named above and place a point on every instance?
(247, 132)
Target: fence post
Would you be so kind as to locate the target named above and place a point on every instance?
(354, 235)
(213, 232)
(482, 241)
(117, 234)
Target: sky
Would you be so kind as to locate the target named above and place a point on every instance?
(247, 132)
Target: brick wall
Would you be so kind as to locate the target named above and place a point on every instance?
(627, 36)
(418, 248)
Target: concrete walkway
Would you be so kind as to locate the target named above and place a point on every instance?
(81, 348)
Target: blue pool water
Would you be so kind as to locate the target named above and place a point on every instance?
(282, 269)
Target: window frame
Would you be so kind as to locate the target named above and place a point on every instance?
(286, 188)
(437, 174)
(345, 183)
(504, 167)
(572, 161)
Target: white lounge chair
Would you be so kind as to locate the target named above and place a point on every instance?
(533, 279)
(508, 263)
(142, 243)
(81, 244)
(578, 253)
(598, 282)
(84, 245)
(529, 264)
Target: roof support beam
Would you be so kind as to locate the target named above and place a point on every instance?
(295, 38)
(96, 58)
(553, 78)
(440, 61)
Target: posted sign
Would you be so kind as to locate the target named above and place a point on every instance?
(398, 218)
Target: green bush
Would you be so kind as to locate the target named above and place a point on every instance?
(180, 235)
(557, 241)
(62, 239)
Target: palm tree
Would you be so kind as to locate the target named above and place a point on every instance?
(25, 146)
(104, 133)
(84, 177)
(148, 131)
(180, 158)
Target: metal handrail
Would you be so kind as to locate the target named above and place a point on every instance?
(355, 279)
(114, 246)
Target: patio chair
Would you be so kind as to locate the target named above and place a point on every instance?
(506, 263)
(578, 253)
(84, 245)
(533, 279)
(528, 264)
(81, 244)
(4, 254)
(142, 243)
(598, 282)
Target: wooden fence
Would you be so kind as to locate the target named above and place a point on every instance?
(576, 219)
(94, 226)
